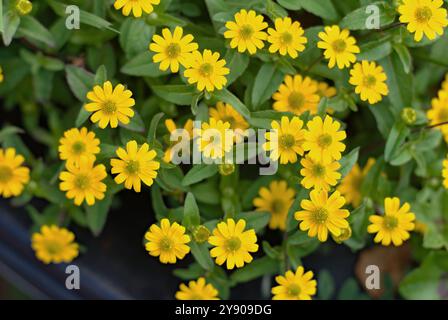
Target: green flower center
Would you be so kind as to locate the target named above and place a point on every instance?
(78, 147)
(277, 206)
(286, 38)
(390, 222)
(233, 244)
(294, 290)
(324, 140)
(109, 107)
(423, 14)
(166, 244)
(82, 182)
(206, 70)
(132, 167)
(173, 50)
(320, 215)
(369, 81)
(318, 170)
(296, 100)
(287, 141)
(246, 31)
(339, 46)
(5, 174)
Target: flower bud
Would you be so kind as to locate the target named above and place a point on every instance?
(346, 233)
(201, 234)
(24, 7)
(226, 169)
(409, 116)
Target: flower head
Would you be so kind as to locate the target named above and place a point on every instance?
(369, 81)
(77, 144)
(173, 49)
(226, 113)
(215, 138)
(426, 17)
(24, 7)
(323, 214)
(54, 245)
(350, 186)
(439, 111)
(277, 199)
(168, 242)
(197, 290)
(233, 244)
(13, 176)
(395, 225)
(136, 6)
(183, 138)
(110, 105)
(287, 37)
(340, 48)
(246, 32)
(319, 174)
(324, 89)
(297, 285)
(135, 165)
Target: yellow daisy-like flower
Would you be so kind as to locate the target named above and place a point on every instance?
(296, 95)
(340, 48)
(295, 286)
(168, 242)
(277, 199)
(185, 137)
(110, 105)
(395, 225)
(287, 37)
(323, 139)
(233, 244)
(369, 81)
(173, 49)
(83, 182)
(350, 186)
(135, 165)
(438, 113)
(13, 176)
(226, 113)
(77, 144)
(197, 290)
(214, 138)
(426, 17)
(207, 70)
(318, 174)
(285, 141)
(324, 89)
(54, 245)
(2, 77)
(323, 214)
(136, 6)
(246, 32)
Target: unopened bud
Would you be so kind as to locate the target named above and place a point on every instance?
(201, 234)
(24, 7)
(346, 233)
(409, 116)
(226, 169)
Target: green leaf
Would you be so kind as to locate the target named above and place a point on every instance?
(202, 255)
(255, 269)
(192, 217)
(11, 22)
(82, 117)
(80, 81)
(97, 214)
(177, 94)
(135, 124)
(325, 285)
(100, 75)
(193, 272)
(374, 50)
(397, 137)
(153, 127)
(142, 66)
(228, 97)
(348, 161)
(256, 220)
(290, 4)
(134, 36)
(357, 20)
(1, 16)
(9, 130)
(405, 56)
(199, 172)
(321, 8)
(359, 220)
(158, 205)
(267, 81)
(237, 63)
(33, 29)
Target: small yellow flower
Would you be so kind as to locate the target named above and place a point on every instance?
(295, 286)
(286, 139)
(135, 165)
(445, 173)
(83, 182)
(226, 113)
(24, 7)
(346, 233)
(296, 95)
(77, 144)
(287, 37)
(395, 225)
(233, 244)
(324, 90)
(13, 176)
(197, 290)
(277, 199)
(323, 139)
(369, 81)
(340, 48)
(439, 111)
(323, 214)
(214, 138)
(54, 245)
(246, 32)
(420, 227)
(207, 70)
(183, 138)
(173, 49)
(350, 186)
(318, 174)
(110, 105)
(136, 6)
(2, 77)
(168, 242)
(426, 17)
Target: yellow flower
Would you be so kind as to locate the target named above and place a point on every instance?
(135, 165)
(83, 182)
(286, 139)
(287, 37)
(54, 245)
(296, 95)
(110, 105)
(295, 286)
(214, 138)
(77, 144)
(395, 225)
(207, 70)
(350, 186)
(197, 290)
(323, 214)
(13, 176)
(184, 137)
(172, 49)
(233, 244)
(24, 7)
(137, 6)
(324, 90)
(246, 32)
(168, 242)
(226, 113)
(423, 17)
(319, 174)
(439, 111)
(369, 81)
(346, 233)
(323, 139)
(445, 173)
(2, 77)
(420, 227)
(340, 47)
(277, 200)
